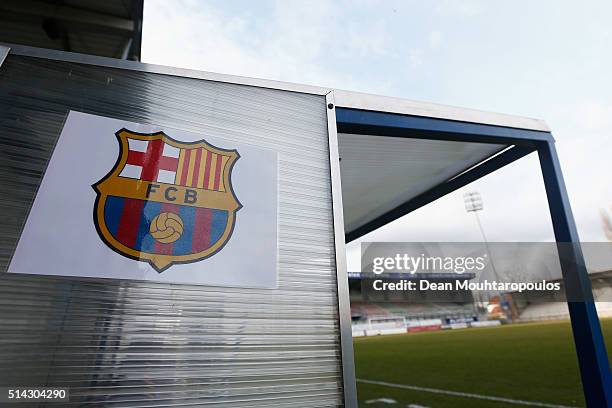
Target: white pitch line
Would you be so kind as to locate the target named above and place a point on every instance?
(464, 394)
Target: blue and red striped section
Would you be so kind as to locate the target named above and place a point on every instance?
(128, 220)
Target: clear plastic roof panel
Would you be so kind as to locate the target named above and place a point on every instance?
(380, 173)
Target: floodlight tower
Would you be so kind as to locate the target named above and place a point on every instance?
(473, 203)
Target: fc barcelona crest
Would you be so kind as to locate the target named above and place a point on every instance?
(166, 202)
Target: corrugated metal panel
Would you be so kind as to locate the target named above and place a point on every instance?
(126, 343)
(119, 8)
(85, 26)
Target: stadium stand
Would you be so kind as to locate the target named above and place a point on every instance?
(375, 317)
(400, 312)
(601, 283)
(362, 311)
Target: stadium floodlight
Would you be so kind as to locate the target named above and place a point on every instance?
(473, 203)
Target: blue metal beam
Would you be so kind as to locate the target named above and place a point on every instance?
(395, 125)
(590, 346)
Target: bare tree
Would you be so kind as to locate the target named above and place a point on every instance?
(607, 223)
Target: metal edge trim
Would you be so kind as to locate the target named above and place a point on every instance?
(64, 56)
(4, 51)
(357, 100)
(344, 305)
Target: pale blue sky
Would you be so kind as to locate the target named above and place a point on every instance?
(546, 59)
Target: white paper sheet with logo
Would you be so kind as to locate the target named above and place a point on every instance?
(130, 201)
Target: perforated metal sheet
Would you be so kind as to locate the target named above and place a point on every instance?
(138, 344)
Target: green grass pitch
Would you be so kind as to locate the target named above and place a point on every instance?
(532, 361)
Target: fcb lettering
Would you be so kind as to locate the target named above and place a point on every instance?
(165, 201)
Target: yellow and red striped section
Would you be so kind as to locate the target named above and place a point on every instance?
(201, 168)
